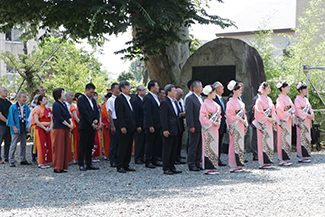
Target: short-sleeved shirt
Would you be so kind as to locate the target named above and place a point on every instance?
(110, 105)
(4, 109)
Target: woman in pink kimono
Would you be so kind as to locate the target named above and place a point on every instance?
(304, 115)
(264, 120)
(285, 117)
(237, 126)
(210, 117)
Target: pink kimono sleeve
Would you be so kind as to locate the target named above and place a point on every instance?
(283, 115)
(204, 116)
(298, 111)
(231, 114)
(259, 111)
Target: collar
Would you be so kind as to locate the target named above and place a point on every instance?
(126, 96)
(87, 97)
(171, 99)
(140, 98)
(155, 95)
(20, 104)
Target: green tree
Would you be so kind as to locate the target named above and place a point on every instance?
(125, 76)
(159, 27)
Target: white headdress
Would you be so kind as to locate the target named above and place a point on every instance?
(207, 89)
(301, 84)
(279, 85)
(231, 85)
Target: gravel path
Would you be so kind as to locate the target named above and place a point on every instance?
(294, 191)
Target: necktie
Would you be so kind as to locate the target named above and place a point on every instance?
(223, 106)
(180, 106)
(175, 107)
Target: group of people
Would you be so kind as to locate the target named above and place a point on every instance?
(77, 128)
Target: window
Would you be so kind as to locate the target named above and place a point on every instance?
(13, 35)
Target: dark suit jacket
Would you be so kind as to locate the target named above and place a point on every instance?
(192, 109)
(87, 114)
(169, 120)
(223, 113)
(181, 118)
(151, 112)
(251, 116)
(137, 105)
(125, 116)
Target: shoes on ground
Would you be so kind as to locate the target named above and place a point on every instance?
(151, 166)
(92, 167)
(285, 163)
(25, 163)
(130, 169)
(195, 169)
(211, 172)
(237, 170)
(305, 160)
(121, 170)
(255, 158)
(168, 172)
(43, 166)
(266, 166)
(12, 165)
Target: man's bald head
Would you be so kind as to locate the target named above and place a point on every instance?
(179, 94)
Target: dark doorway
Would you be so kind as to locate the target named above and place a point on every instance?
(211, 74)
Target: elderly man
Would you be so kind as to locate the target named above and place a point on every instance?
(140, 136)
(4, 130)
(192, 107)
(181, 116)
(18, 121)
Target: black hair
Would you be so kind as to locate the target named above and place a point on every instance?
(76, 96)
(160, 89)
(95, 94)
(195, 83)
(113, 85)
(284, 84)
(302, 86)
(264, 85)
(189, 83)
(168, 88)
(57, 93)
(123, 84)
(90, 86)
(39, 99)
(108, 95)
(236, 87)
(151, 83)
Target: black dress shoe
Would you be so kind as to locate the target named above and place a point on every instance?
(150, 165)
(177, 163)
(157, 164)
(222, 164)
(159, 159)
(92, 167)
(177, 171)
(82, 168)
(58, 171)
(194, 169)
(182, 162)
(121, 170)
(12, 165)
(64, 171)
(182, 157)
(200, 168)
(168, 172)
(130, 169)
(113, 164)
(245, 161)
(25, 163)
(139, 162)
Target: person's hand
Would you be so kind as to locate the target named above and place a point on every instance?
(182, 114)
(139, 130)
(192, 130)
(151, 129)
(271, 120)
(216, 123)
(123, 130)
(71, 127)
(310, 116)
(93, 126)
(113, 130)
(166, 133)
(28, 129)
(15, 129)
(95, 121)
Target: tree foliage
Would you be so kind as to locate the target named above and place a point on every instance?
(307, 48)
(157, 23)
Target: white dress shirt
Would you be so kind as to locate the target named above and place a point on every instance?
(199, 98)
(110, 105)
(155, 96)
(174, 106)
(187, 95)
(128, 98)
(90, 102)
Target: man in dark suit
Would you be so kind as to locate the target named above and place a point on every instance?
(222, 102)
(152, 125)
(170, 122)
(251, 118)
(180, 104)
(126, 126)
(140, 136)
(192, 108)
(89, 116)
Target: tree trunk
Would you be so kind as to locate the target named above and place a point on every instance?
(166, 67)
